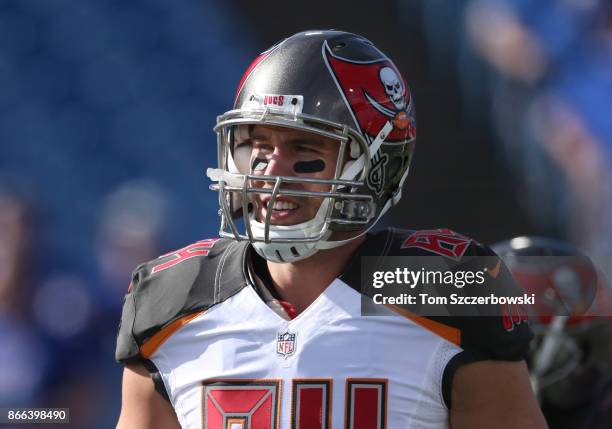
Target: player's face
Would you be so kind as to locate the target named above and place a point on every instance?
(277, 151)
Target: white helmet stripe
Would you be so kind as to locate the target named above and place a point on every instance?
(356, 167)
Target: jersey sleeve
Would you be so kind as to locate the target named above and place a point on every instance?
(493, 338)
(127, 349)
(499, 332)
(172, 289)
(483, 331)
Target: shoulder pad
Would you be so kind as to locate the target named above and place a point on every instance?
(483, 336)
(177, 284)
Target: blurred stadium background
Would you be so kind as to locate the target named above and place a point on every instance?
(106, 115)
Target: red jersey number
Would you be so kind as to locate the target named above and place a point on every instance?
(255, 404)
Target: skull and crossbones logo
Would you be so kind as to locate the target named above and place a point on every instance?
(393, 87)
(396, 91)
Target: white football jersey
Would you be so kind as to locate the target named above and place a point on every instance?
(240, 365)
(226, 358)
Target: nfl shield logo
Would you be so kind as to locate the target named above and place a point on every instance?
(285, 343)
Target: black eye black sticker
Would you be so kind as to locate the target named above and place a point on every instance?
(259, 164)
(313, 166)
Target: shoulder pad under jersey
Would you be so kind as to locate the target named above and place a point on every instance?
(175, 285)
(505, 335)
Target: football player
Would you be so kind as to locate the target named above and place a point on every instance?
(263, 327)
(571, 360)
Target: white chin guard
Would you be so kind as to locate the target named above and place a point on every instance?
(294, 251)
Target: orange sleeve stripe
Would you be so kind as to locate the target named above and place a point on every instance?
(152, 344)
(447, 332)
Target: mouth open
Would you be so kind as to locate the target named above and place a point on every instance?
(281, 205)
(282, 210)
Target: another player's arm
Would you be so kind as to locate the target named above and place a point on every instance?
(494, 394)
(141, 405)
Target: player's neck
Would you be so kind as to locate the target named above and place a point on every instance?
(301, 282)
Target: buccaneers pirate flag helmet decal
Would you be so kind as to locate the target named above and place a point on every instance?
(334, 84)
(380, 85)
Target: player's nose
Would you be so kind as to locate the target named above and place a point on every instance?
(280, 163)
